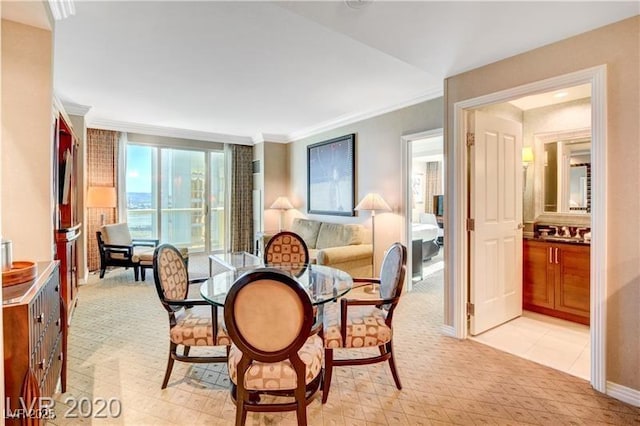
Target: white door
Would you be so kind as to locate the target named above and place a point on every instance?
(496, 207)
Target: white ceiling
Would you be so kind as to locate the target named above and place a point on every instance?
(239, 71)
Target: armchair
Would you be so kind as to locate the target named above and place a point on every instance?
(117, 248)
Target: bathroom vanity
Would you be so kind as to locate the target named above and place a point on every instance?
(556, 277)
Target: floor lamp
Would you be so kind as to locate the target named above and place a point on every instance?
(283, 204)
(102, 197)
(373, 202)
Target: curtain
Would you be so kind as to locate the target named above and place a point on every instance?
(102, 170)
(121, 185)
(434, 184)
(241, 199)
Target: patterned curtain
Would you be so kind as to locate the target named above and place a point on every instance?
(434, 184)
(102, 170)
(241, 198)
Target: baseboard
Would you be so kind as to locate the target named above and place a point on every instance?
(448, 330)
(624, 394)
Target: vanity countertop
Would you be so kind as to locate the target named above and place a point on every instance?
(560, 240)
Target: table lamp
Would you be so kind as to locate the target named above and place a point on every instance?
(283, 204)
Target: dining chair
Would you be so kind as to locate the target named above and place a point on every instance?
(192, 322)
(366, 323)
(269, 319)
(287, 248)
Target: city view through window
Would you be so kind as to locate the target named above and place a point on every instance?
(170, 198)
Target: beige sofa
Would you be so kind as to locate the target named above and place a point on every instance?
(342, 246)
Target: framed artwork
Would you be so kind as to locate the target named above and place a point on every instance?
(331, 176)
(417, 188)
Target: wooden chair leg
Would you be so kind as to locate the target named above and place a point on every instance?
(143, 273)
(241, 412)
(301, 411)
(102, 271)
(186, 350)
(392, 365)
(328, 370)
(167, 374)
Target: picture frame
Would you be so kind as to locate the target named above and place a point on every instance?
(331, 176)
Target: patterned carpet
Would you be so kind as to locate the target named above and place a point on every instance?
(119, 344)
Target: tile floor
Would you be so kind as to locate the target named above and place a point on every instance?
(549, 341)
(118, 349)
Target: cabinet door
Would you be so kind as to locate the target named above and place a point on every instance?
(537, 275)
(572, 283)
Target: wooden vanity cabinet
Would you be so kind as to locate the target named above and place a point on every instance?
(556, 279)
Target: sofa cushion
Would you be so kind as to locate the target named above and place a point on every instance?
(307, 229)
(336, 235)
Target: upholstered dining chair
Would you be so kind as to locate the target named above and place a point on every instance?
(269, 318)
(367, 322)
(287, 248)
(192, 322)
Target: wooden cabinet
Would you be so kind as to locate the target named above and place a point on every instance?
(67, 224)
(34, 350)
(556, 279)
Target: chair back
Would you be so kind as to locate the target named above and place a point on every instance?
(170, 275)
(268, 315)
(287, 248)
(116, 233)
(392, 273)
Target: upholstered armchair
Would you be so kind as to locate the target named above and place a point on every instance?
(117, 248)
(367, 323)
(269, 317)
(192, 322)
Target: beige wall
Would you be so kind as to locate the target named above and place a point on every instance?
(378, 166)
(273, 181)
(27, 148)
(618, 46)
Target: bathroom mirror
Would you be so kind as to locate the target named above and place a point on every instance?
(566, 180)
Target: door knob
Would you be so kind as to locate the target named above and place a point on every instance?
(521, 226)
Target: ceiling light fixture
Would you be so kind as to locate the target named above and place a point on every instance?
(561, 94)
(358, 4)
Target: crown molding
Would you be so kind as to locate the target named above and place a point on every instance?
(61, 9)
(270, 137)
(353, 118)
(75, 109)
(123, 126)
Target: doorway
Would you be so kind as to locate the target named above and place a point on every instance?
(423, 194)
(458, 206)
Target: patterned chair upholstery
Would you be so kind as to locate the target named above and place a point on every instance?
(287, 248)
(192, 322)
(269, 318)
(362, 323)
(117, 248)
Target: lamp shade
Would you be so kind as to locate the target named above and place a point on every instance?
(282, 203)
(373, 201)
(102, 196)
(527, 155)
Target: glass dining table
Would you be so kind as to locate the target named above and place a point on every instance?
(323, 283)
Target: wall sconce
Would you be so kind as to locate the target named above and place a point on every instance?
(527, 158)
(283, 204)
(102, 197)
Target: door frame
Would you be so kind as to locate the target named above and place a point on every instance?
(457, 205)
(406, 171)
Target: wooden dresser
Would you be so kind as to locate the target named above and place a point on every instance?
(33, 324)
